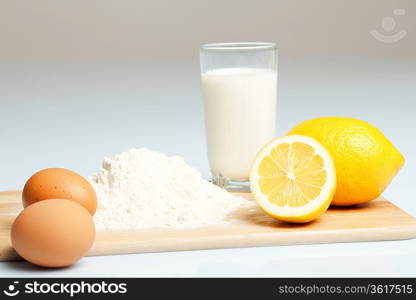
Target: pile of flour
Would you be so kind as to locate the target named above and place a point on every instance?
(144, 189)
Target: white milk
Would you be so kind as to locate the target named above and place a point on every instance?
(240, 116)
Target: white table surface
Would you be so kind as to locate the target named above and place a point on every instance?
(72, 115)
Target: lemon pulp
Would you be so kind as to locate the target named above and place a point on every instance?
(293, 178)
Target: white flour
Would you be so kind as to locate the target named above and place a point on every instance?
(144, 189)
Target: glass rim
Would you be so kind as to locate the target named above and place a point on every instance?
(236, 46)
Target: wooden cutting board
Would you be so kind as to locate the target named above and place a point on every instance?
(375, 221)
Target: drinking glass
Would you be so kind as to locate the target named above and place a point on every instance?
(239, 86)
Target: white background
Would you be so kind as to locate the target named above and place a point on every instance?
(80, 80)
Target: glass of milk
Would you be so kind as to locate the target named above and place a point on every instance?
(239, 85)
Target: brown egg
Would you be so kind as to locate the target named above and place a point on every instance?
(53, 233)
(59, 183)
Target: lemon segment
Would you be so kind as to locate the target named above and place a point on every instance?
(293, 178)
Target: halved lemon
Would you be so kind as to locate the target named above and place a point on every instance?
(293, 178)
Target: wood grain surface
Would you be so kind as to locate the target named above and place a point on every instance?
(375, 221)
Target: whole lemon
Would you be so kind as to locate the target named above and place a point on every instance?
(365, 160)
